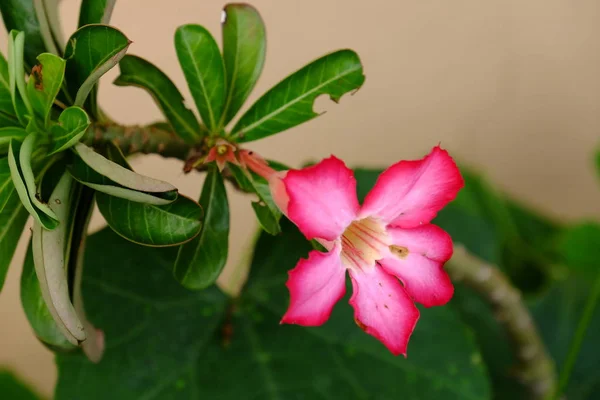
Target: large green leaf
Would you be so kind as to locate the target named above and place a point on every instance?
(20, 15)
(204, 71)
(200, 262)
(12, 388)
(44, 84)
(12, 219)
(91, 51)
(136, 71)
(178, 344)
(290, 102)
(72, 125)
(95, 12)
(149, 224)
(244, 49)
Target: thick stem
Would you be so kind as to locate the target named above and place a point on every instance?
(535, 369)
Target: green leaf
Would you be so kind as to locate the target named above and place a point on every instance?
(12, 219)
(136, 71)
(13, 388)
(16, 43)
(290, 102)
(117, 178)
(7, 111)
(162, 327)
(23, 181)
(95, 12)
(46, 29)
(202, 65)
(9, 133)
(200, 261)
(20, 15)
(580, 248)
(152, 225)
(244, 48)
(44, 84)
(72, 125)
(91, 51)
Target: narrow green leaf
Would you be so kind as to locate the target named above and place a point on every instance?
(200, 261)
(7, 111)
(18, 180)
(151, 225)
(44, 84)
(202, 65)
(12, 219)
(241, 178)
(16, 43)
(44, 25)
(91, 51)
(72, 125)
(20, 15)
(54, 21)
(9, 133)
(151, 190)
(290, 102)
(244, 49)
(50, 260)
(95, 12)
(12, 388)
(136, 71)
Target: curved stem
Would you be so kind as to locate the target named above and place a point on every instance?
(536, 369)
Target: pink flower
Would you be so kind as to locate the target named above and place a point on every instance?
(386, 241)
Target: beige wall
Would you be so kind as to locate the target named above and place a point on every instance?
(510, 86)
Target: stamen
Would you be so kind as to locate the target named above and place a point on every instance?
(363, 243)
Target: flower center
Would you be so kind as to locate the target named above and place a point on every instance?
(363, 243)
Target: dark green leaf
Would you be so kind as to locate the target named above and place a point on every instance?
(290, 102)
(200, 262)
(136, 71)
(95, 12)
(72, 125)
(91, 51)
(152, 225)
(12, 219)
(241, 178)
(244, 48)
(580, 248)
(9, 133)
(44, 84)
(13, 389)
(7, 111)
(20, 15)
(202, 65)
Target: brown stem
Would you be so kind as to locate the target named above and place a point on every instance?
(535, 369)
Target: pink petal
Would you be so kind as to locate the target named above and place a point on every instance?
(417, 259)
(315, 285)
(323, 198)
(382, 308)
(410, 193)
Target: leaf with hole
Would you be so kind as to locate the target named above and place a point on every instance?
(244, 49)
(290, 102)
(20, 15)
(72, 125)
(202, 65)
(200, 261)
(91, 52)
(95, 12)
(136, 71)
(44, 84)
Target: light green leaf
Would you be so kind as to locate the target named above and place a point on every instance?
(152, 225)
(244, 49)
(136, 71)
(41, 12)
(200, 262)
(72, 125)
(290, 102)
(50, 256)
(44, 84)
(12, 219)
(202, 65)
(9, 133)
(7, 111)
(26, 169)
(95, 12)
(16, 72)
(20, 15)
(91, 51)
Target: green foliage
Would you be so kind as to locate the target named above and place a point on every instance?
(580, 248)
(12, 388)
(20, 15)
(10, 133)
(43, 86)
(72, 125)
(7, 111)
(95, 12)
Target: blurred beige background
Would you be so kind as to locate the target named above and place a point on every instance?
(509, 86)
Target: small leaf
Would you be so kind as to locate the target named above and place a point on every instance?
(244, 49)
(149, 224)
(91, 51)
(44, 84)
(18, 179)
(50, 258)
(16, 43)
(95, 12)
(9, 133)
(12, 219)
(20, 15)
(72, 125)
(136, 71)
(99, 169)
(200, 261)
(290, 102)
(204, 71)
